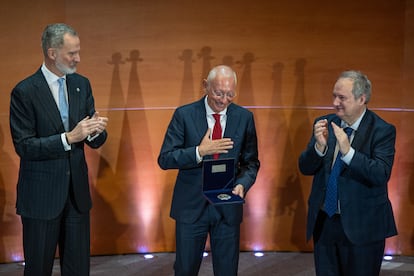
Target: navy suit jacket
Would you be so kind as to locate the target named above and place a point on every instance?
(185, 131)
(366, 211)
(46, 169)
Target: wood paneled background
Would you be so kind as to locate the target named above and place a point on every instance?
(145, 58)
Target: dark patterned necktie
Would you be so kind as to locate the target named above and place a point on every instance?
(331, 196)
(216, 132)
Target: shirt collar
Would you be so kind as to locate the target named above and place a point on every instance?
(49, 75)
(355, 125)
(210, 111)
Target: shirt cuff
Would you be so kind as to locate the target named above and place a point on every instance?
(347, 158)
(65, 143)
(198, 157)
(91, 138)
(319, 152)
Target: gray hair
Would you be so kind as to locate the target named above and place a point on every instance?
(221, 70)
(361, 84)
(52, 36)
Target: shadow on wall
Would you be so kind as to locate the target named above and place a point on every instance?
(286, 208)
(123, 194)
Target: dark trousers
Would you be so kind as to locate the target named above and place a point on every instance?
(191, 241)
(336, 255)
(70, 230)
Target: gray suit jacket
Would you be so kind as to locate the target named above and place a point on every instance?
(366, 211)
(46, 169)
(185, 131)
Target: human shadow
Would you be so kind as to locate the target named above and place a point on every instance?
(288, 205)
(108, 197)
(245, 95)
(300, 123)
(187, 86)
(206, 58)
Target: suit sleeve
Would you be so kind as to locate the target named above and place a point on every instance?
(249, 157)
(178, 148)
(374, 168)
(309, 161)
(23, 125)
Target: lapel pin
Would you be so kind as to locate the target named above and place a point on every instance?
(77, 89)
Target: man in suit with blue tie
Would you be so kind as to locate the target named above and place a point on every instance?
(52, 117)
(188, 141)
(349, 235)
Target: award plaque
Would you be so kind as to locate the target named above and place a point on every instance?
(218, 181)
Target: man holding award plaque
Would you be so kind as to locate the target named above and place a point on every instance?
(213, 168)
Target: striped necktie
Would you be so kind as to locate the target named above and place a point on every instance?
(63, 104)
(331, 196)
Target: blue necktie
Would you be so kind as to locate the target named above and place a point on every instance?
(63, 104)
(331, 196)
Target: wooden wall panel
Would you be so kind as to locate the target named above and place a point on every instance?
(144, 58)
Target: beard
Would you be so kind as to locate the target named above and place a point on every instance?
(63, 68)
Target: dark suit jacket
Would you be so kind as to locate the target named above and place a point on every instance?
(46, 169)
(185, 131)
(366, 211)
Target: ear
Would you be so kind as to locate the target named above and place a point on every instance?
(362, 99)
(205, 85)
(51, 53)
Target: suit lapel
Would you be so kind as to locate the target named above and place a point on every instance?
(74, 100)
(48, 102)
(232, 123)
(363, 129)
(357, 142)
(331, 145)
(199, 118)
(331, 137)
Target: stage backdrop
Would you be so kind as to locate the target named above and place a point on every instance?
(145, 58)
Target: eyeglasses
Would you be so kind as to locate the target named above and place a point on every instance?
(221, 94)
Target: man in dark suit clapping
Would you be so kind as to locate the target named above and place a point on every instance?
(349, 212)
(52, 117)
